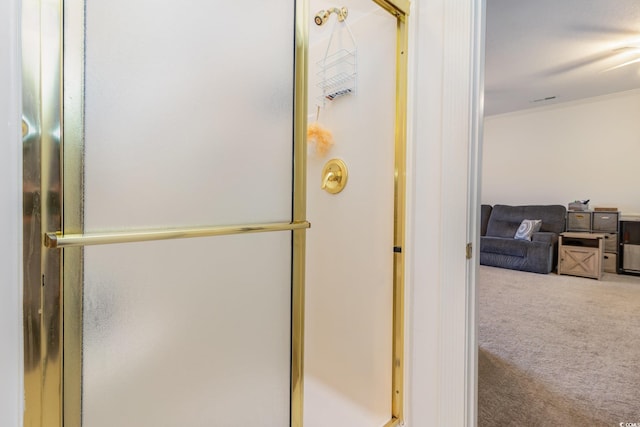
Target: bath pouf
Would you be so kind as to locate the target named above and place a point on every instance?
(321, 137)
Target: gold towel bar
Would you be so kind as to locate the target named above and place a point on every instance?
(59, 240)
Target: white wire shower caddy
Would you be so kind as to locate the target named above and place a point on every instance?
(338, 71)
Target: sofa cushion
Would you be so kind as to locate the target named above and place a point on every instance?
(505, 220)
(527, 228)
(535, 256)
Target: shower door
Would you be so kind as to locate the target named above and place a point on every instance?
(172, 180)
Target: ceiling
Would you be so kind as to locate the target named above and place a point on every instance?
(538, 49)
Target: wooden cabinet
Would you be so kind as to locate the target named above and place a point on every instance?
(581, 254)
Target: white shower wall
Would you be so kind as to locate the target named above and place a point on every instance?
(349, 283)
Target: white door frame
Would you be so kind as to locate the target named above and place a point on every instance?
(445, 128)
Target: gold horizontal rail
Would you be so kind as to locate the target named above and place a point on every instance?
(59, 240)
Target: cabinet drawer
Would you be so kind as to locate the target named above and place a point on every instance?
(605, 221)
(631, 257)
(611, 242)
(578, 221)
(610, 263)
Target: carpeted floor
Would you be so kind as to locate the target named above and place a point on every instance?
(557, 350)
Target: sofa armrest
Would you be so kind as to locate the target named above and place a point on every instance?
(540, 257)
(545, 237)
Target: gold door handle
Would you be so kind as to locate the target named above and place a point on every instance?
(330, 177)
(334, 176)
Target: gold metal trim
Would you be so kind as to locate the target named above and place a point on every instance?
(59, 240)
(397, 399)
(51, 215)
(299, 213)
(399, 8)
(32, 266)
(73, 206)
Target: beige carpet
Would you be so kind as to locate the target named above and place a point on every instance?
(558, 350)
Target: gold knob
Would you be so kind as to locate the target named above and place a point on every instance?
(334, 176)
(25, 128)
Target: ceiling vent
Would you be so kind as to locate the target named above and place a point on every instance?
(548, 98)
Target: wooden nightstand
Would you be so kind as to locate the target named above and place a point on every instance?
(580, 254)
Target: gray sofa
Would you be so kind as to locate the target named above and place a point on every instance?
(499, 248)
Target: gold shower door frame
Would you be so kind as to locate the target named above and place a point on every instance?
(399, 9)
(53, 122)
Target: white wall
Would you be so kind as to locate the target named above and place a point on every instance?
(588, 149)
(10, 211)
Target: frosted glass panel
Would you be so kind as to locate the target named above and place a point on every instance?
(188, 112)
(188, 122)
(188, 333)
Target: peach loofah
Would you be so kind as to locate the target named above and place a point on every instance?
(321, 137)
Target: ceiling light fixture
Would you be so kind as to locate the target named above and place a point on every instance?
(626, 50)
(634, 61)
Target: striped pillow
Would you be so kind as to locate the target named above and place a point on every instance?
(527, 228)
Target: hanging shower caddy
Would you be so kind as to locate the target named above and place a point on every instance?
(337, 71)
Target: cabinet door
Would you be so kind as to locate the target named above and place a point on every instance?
(579, 261)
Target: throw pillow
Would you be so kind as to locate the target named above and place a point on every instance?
(527, 228)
